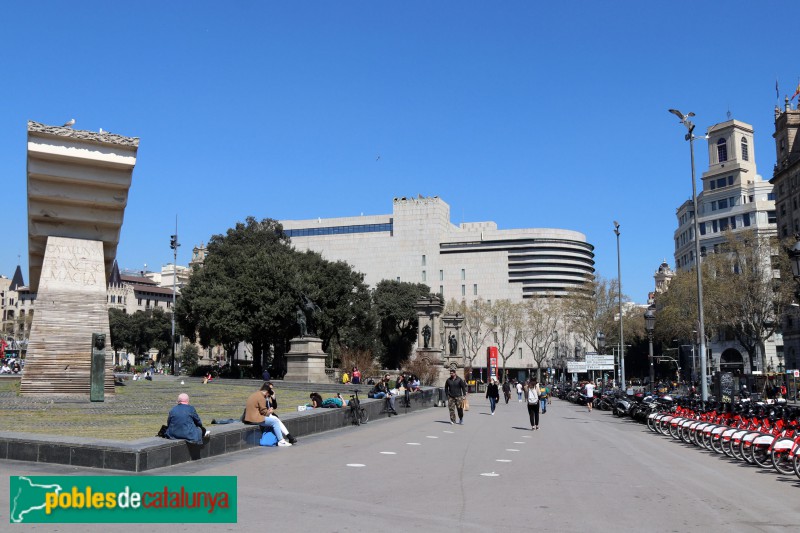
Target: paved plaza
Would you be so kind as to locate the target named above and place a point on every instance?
(580, 471)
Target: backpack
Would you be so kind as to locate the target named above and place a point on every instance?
(533, 396)
(542, 392)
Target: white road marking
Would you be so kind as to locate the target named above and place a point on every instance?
(431, 437)
(511, 450)
(490, 474)
(448, 431)
(503, 460)
(356, 465)
(413, 443)
(520, 442)
(389, 453)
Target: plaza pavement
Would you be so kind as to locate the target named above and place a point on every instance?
(579, 472)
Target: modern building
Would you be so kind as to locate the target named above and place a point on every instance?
(786, 181)
(734, 198)
(417, 243)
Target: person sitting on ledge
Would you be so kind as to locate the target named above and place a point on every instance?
(258, 411)
(183, 422)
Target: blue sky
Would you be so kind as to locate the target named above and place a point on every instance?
(530, 114)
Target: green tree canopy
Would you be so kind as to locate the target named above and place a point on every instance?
(394, 307)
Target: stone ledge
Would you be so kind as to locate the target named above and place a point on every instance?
(154, 452)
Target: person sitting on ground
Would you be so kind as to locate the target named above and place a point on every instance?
(5, 369)
(257, 411)
(415, 384)
(183, 422)
(345, 378)
(316, 399)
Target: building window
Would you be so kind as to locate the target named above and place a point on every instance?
(772, 217)
(423, 260)
(441, 275)
(745, 150)
(424, 276)
(722, 151)
(441, 290)
(746, 219)
(398, 278)
(463, 290)
(723, 203)
(139, 301)
(714, 206)
(770, 197)
(733, 222)
(463, 274)
(475, 289)
(714, 226)
(730, 180)
(784, 231)
(520, 353)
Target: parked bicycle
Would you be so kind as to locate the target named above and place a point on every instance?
(358, 414)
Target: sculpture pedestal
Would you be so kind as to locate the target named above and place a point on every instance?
(70, 307)
(305, 361)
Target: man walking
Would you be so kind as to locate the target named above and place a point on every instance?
(589, 388)
(456, 390)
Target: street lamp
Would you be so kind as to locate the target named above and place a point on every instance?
(621, 337)
(601, 346)
(174, 244)
(649, 325)
(690, 137)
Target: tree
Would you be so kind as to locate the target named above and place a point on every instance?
(477, 327)
(745, 295)
(509, 329)
(250, 287)
(119, 328)
(397, 318)
(189, 357)
(594, 307)
(541, 319)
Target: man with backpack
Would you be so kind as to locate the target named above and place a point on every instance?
(544, 392)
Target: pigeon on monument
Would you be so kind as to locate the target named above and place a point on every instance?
(70, 123)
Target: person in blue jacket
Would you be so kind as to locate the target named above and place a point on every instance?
(183, 422)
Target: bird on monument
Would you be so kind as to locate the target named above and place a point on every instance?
(70, 123)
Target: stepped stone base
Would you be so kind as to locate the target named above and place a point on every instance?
(70, 306)
(305, 361)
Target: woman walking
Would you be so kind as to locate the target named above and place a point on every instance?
(493, 393)
(532, 397)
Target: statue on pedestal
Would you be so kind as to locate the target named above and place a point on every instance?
(453, 344)
(426, 335)
(305, 316)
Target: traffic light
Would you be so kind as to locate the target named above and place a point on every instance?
(173, 242)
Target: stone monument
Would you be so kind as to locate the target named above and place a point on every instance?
(78, 184)
(305, 360)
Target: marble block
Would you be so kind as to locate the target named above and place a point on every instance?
(70, 306)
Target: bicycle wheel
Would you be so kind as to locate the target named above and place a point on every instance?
(781, 461)
(716, 443)
(363, 415)
(354, 416)
(796, 465)
(761, 455)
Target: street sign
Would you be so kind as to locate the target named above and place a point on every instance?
(797, 373)
(576, 367)
(599, 362)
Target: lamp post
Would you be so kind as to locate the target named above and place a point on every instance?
(601, 346)
(621, 337)
(173, 243)
(701, 329)
(649, 325)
